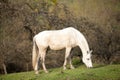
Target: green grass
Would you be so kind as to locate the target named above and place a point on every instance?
(99, 72)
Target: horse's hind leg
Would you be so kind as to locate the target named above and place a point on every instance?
(36, 66)
(43, 54)
(67, 54)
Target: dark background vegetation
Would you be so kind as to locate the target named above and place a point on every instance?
(20, 20)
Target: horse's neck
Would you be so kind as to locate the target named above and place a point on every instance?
(83, 44)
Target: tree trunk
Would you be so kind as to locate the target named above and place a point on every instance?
(4, 68)
(27, 67)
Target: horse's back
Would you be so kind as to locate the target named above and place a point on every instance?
(54, 38)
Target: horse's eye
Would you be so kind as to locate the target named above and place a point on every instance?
(88, 59)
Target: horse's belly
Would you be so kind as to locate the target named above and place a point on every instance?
(56, 47)
(61, 45)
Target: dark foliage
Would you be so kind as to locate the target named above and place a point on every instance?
(19, 22)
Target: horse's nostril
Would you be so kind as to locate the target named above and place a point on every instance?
(89, 67)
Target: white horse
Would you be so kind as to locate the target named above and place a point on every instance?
(56, 40)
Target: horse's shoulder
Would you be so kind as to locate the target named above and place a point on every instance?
(68, 28)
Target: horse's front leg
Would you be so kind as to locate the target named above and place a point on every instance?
(67, 54)
(71, 66)
(43, 61)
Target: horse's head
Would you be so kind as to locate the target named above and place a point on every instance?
(87, 59)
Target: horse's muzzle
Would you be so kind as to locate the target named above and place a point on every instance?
(90, 67)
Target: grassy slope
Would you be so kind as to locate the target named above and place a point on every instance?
(104, 72)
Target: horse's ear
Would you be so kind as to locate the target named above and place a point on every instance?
(91, 51)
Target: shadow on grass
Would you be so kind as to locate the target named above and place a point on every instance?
(99, 66)
(94, 66)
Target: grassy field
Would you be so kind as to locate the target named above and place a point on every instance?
(99, 72)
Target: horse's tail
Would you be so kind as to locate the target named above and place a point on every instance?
(34, 53)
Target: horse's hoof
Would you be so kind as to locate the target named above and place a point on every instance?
(37, 72)
(46, 72)
(72, 67)
(64, 68)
